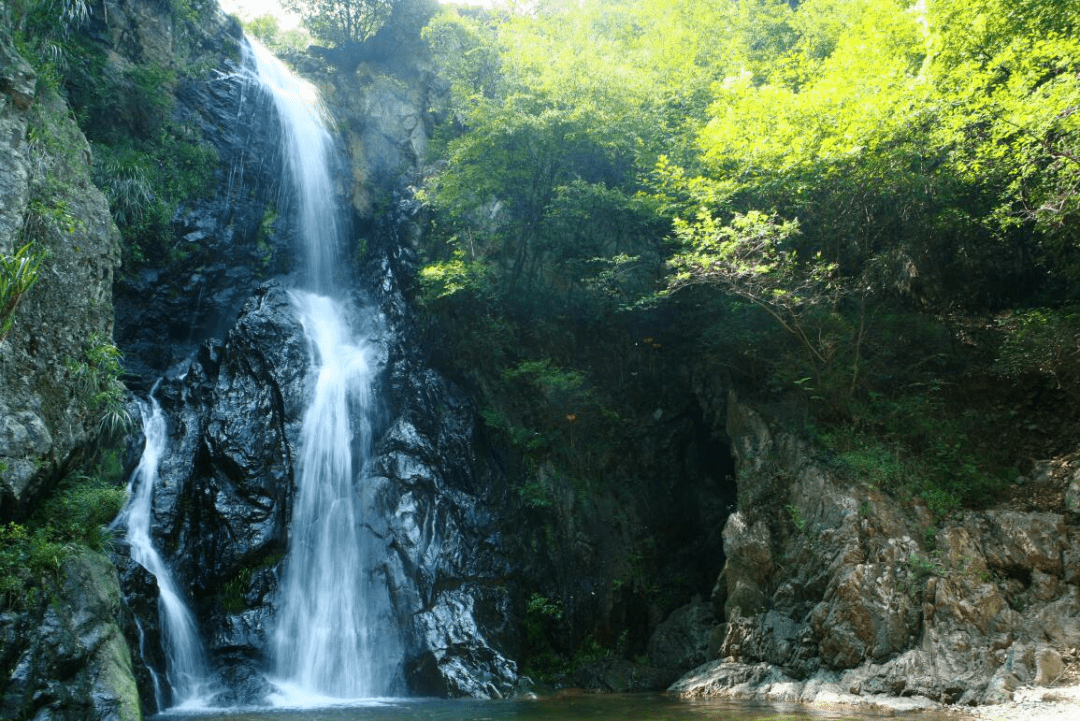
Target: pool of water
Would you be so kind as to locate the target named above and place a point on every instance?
(573, 707)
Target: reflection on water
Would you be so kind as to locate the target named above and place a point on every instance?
(578, 707)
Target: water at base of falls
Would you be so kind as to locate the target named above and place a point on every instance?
(574, 707)
(186, 669)
(332, 638)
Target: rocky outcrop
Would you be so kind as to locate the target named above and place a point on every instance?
(67, 657)
(384, 111)
(836, 591)
(223, 507)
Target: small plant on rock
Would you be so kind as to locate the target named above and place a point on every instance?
(18, 274)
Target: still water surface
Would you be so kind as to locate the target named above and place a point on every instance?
(600, 707)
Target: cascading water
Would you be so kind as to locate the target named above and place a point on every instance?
(307, 146)
(186, 670)
(333, 636)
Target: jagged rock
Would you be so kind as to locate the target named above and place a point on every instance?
(227, 476)
(1049, 666)
(1015, 542)
(384, 123)
(749, 550)
(866, 614)
(773, 637)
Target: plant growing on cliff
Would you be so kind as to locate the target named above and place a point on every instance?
(43, 34)
(74, 516)
(97, 377)
(26, 559)
(18, 274)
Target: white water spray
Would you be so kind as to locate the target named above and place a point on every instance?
(334, 635)
(185, 664)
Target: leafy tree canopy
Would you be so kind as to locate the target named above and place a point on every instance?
(813, 175)
(339, 22)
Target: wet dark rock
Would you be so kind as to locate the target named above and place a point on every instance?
(682, 640)
(620, 675)
(226, 243)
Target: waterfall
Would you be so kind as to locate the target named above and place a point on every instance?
(307, 146)
(186, 670)
(333, 636)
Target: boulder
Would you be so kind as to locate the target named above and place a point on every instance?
(68, 657)
(681, 642)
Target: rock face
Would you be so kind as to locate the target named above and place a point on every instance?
(838, 592)
(68, 658)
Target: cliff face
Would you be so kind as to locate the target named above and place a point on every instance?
(224, 240)
(47, 198)
(834, 591)
(65, 656)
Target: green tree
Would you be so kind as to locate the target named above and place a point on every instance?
(268, 30)
(1006, 75)
(752, 258)
(340, 22)
(265, 27)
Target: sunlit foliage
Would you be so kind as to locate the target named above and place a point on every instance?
(821, 173)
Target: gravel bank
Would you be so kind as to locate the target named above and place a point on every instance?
(1033, 704)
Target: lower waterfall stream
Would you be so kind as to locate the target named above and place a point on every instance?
(331, 637)
(186, 669)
